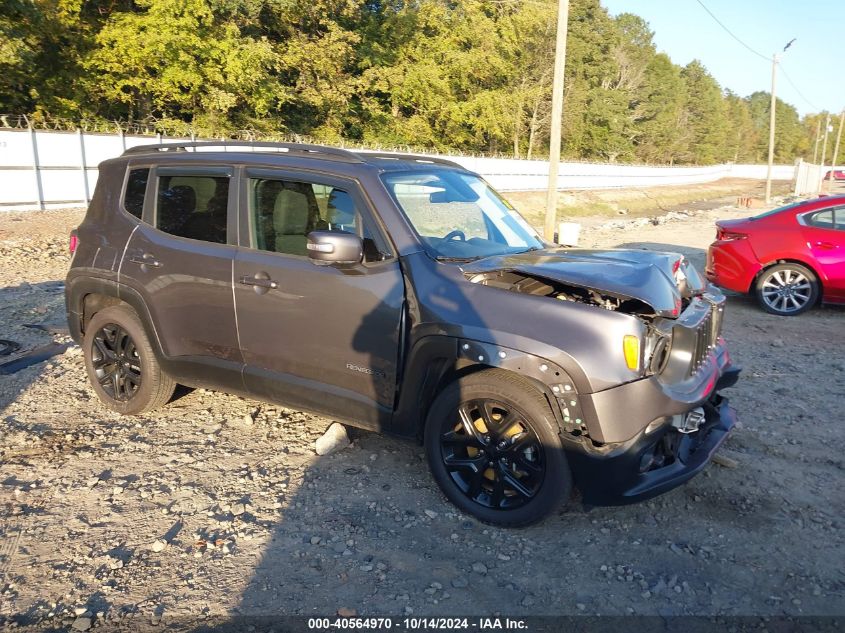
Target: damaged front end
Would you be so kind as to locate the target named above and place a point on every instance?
(660, 426)
(681, 313)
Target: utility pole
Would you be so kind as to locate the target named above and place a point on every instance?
(772, 130)
(818, 138)
(827, 129)
(836, 147)
(772, 123)
(557, 115)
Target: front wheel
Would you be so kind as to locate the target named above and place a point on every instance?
(787, 289)
(493, 448)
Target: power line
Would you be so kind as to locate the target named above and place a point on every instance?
(729, 32)
(760, 55)
(800, 94)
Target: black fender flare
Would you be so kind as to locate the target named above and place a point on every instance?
(435, 360)
(78, 287)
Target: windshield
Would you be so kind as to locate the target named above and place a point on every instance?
(458, 216)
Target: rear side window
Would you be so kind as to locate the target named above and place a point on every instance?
(828, 219)
(193, 206)
(136, 188)
(823, 219)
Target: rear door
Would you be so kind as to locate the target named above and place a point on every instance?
(322, 338)
(180, 260)
(824, 231)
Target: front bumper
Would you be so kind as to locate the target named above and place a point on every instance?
(653, 463)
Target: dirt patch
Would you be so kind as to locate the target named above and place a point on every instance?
(217, 506)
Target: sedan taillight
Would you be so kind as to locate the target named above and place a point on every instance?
(724, 235)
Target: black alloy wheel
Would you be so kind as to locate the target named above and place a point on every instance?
(492, 454)
(121, 364)
(116, 362)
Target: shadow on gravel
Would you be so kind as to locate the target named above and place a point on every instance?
(30, 316)
(368, 532)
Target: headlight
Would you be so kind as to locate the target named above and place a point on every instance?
(659, 354)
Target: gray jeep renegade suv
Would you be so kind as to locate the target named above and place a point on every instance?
(401, 294)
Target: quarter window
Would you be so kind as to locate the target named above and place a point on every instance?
(829, 219)
(284, 212)
(193, 206)
(136, 189)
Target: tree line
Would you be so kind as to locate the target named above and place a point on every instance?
(471, 75)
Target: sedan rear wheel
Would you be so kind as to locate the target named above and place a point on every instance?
(787, 289)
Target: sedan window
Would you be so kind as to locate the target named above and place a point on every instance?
(828, 219)
(823, 219)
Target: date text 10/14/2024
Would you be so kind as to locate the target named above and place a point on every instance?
(417, 624)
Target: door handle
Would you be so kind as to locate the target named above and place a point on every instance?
(260, 280)
(828, 246)
(145, 260)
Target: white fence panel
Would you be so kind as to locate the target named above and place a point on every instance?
(64, 170)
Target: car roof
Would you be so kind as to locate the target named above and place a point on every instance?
(248, 151)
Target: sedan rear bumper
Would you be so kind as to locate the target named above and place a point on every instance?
(732, 265)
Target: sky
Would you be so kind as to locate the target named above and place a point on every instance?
(683, 30)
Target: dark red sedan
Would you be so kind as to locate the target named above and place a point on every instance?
(838, 174)
(790, 258)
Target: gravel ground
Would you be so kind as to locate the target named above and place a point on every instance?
(217, 506)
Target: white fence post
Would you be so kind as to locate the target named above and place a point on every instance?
(83, 166)
(36, 169)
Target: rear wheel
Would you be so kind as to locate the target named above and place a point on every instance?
(121, 365)
(493, 448)
(787, 289)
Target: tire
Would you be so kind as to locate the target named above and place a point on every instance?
(787, 289)
(494, 449)
(134, 382)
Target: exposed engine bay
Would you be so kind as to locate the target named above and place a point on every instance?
(637, 282)
(532, 285)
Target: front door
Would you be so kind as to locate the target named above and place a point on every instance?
(825, 234)
(322, 338)
(179, 261)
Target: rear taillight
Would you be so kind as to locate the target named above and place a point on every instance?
(74, 242)
(728, 236)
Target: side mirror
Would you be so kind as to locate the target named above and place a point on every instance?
(334, 247)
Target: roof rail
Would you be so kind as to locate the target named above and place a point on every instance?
(419, 158)
(316, 151)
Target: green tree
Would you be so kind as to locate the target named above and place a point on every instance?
(706, 118)
(742, 137)
(174, 59)
(788, 129)
(660, 113)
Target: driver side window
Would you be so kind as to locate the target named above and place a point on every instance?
(283, 213)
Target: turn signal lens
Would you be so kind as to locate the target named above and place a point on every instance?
(74, 242)
(631, 347)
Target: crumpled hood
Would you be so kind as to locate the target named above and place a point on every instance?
(647, 276)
